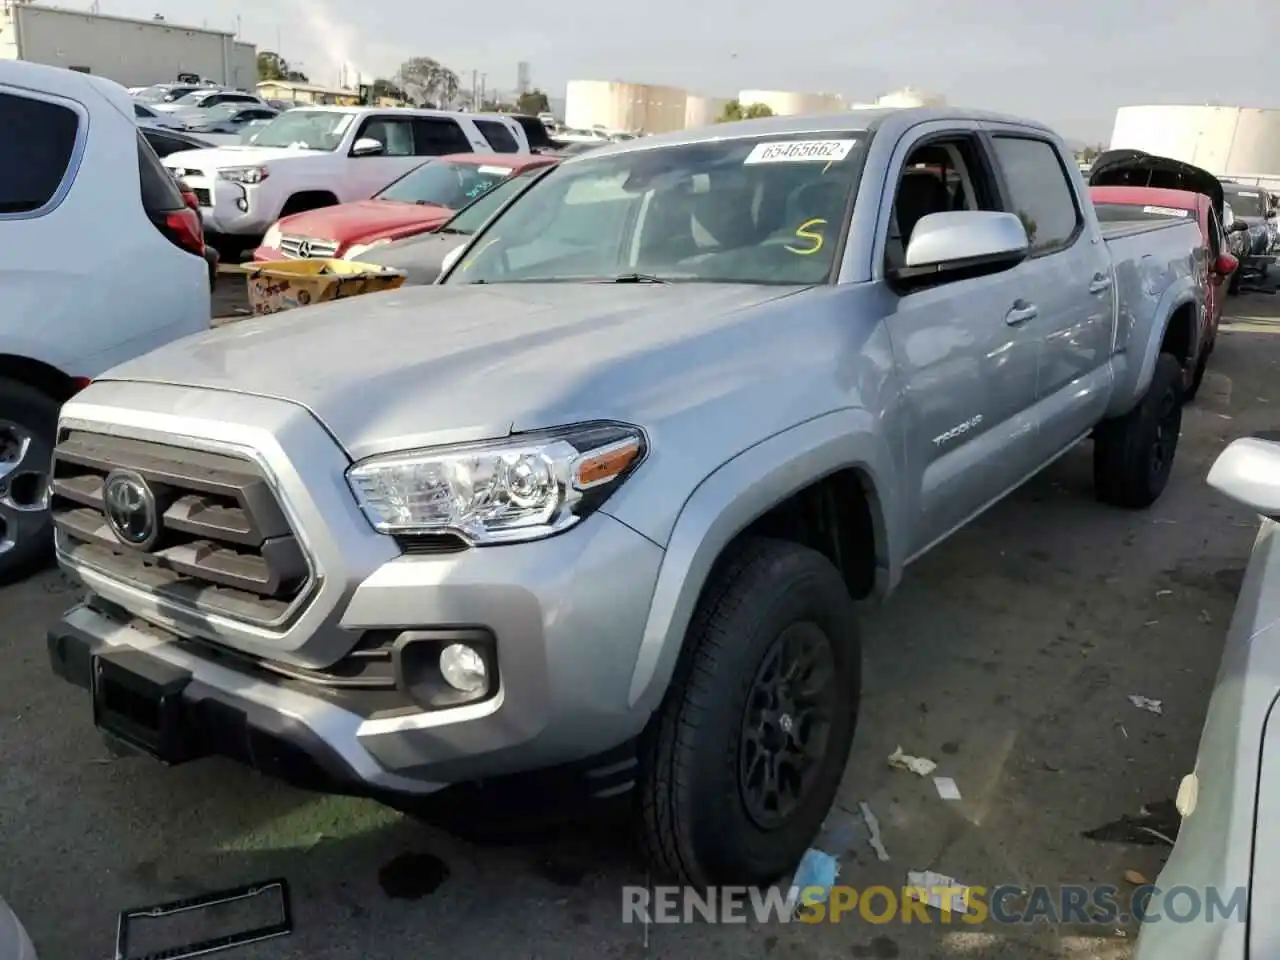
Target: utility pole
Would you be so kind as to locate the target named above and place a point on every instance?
(475, 91)
(483, 78)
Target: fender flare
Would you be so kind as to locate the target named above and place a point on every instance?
(1181, 293)
(738, 492)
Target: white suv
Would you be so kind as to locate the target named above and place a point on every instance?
(103, 261)
(311, 157)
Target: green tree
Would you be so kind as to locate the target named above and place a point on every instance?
(272, 66)
(428, 82)
(533, 102)
(382, 87)
(733, 110)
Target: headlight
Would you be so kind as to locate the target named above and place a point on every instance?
(243, 174)
(502, 491)
(358, 248)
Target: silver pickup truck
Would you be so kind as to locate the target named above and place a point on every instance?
(597, 504)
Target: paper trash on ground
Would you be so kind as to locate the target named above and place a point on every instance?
(873, 831)
(946, 788)
(1146, 703)
(928, 887)
(920, 766)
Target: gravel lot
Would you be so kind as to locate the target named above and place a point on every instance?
(1007, 657)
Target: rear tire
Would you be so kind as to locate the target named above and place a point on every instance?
(1133, 455)
(764, 694)
(28, 425)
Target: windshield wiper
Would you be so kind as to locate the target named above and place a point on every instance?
(638, 278)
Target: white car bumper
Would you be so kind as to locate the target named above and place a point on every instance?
(234, 209)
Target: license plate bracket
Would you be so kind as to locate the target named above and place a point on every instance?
(281, 925)
(138, 700)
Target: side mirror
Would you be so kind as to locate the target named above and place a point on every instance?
(1248, 472)
(1225, 265)
(451, 258)
(367, 147)
(962, 243)
(1239, 226)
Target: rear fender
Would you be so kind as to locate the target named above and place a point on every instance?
(1137, 364)
(740, 491)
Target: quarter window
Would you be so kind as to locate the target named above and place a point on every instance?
(35, 150)
(1040, 192)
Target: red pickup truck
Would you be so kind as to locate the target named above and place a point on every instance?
(1128, 185)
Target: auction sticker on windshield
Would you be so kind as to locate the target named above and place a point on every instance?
(495, 171)
(800, 151)
(1167, 211)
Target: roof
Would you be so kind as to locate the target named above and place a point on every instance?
(90, 15)
(860, 121)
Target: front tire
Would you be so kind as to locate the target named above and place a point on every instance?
(28, 423)
(1133, 455)
(743, 759)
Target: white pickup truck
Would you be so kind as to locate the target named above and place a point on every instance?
(316, 156)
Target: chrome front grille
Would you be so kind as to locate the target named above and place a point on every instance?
(302, 248)
(222, 543)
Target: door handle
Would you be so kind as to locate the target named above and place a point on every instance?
(1021, 313)
(1101, 282)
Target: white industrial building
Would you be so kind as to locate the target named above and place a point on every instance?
(615, 105)
(1240, 142)
(786, 104)
(131, 52)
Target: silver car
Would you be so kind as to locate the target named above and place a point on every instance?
(1230, 802)
(14, 942)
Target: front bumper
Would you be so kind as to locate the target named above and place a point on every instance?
(233, 209)
(566, 614)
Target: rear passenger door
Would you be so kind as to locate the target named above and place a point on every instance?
(441, 136)
(1068, 282)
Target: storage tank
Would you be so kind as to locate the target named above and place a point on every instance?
(911, 97)
(784, 103)
(1228, 141)
(616, 105)
(702, 111)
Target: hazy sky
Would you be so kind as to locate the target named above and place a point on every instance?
(1068, 63)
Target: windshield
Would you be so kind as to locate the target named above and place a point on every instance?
(1247, 203)
(471, 218)
(223, 111)
(310, 129)
(192, 99)
(1112, 212)
(746, 210)
(152, 94)
(445, 183)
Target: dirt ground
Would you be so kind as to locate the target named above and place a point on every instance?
(1008, 657)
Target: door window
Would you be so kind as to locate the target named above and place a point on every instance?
(499, 136)
(438, 137)
(35, 151)
(1040, 192)
(395, 135)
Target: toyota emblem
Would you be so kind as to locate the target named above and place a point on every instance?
(304, 249)
(130, 509)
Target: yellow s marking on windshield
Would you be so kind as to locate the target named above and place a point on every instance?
(466, 264)
(813, 236)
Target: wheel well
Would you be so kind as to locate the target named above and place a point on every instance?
(308, 200)
(832, 516)
(1179, 334)
(41, 376)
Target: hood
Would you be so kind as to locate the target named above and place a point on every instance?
(234, 155)
(1134, 168)
(418, 258)
(365, 220)
(428, 365)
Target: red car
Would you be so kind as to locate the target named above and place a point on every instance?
(419, 202)
(1147, 203)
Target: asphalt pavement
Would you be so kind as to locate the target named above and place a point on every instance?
(1008, 657)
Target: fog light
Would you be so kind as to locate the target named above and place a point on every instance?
(463, 668)
(242, 203)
